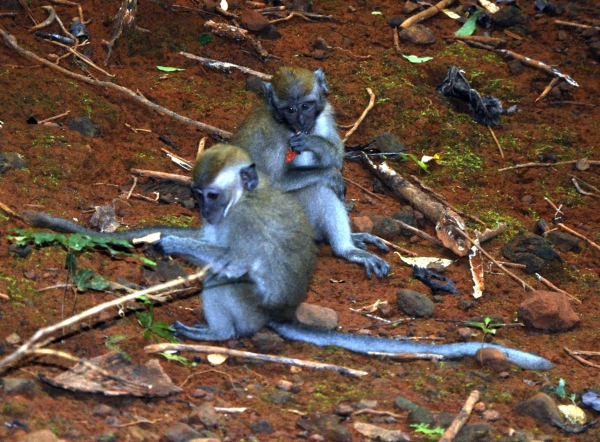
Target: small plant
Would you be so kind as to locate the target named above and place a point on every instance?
(431, 433)
(111, 344)
(153, 329)
(487, 326)
(560, 389)
(181, 359)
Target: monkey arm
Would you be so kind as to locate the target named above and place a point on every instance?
(365, 344)
(198, 252)
(299, 178)
(325, 152)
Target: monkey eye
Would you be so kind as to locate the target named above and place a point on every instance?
(306, 106)
(290, 110)
(212, 195)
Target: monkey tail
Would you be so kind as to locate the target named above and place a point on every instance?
(365, 344)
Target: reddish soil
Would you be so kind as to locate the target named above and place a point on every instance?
(68, 173)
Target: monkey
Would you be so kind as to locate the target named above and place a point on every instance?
(292, 137)
(261, 249)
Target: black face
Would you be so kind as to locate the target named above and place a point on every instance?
(212, 203)
(300, 117)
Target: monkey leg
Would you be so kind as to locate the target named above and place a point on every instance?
(231, 309)
(329, 219)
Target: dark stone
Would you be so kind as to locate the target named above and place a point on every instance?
(253, 20)
(473, 432)
(279, 397)
(181, 432)
(163, 271)
(11, 161)
(20, 251)
(417, 34)
(387, 143)
(515, 67)
(85, 127)
(384, 226)
(270, 33)
(321, 44)
(509, 16)
(14, 386)
(541, 407)
(318, 54)
(395, 21)
(564, 241)
(532, 250)
(420, 415)
(261, 427)
(546, 310)
(414, 304)
(268, 343)
(405, 404)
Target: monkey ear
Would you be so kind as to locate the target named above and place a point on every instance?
(268, 92)
(320, 79)
(249, 177)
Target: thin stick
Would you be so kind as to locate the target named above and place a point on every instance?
(420, 233)
(396, 247)
(574, 25)
(291, 15)
(558, 163)
(417, 18)
(578, 235)
(462, 417)
(368, 192)
(497, 142)
(397, 41)
(225, 67)
(362, 117)
(595, 189)
(587, 353)
(377, 412)
(157, 348)
(546, 91)
(500, 266)
(553, 287)
(54, 118)
(575, 356)
(31, 343)
(82, 57)
(182, 179)
(12, 43)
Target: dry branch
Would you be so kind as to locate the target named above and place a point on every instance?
(182, 179)
(558, 163)
(575, 25)
(362, 117)
(11, 42)
(462, 417)
(417, 18)
(446, 220)
(125, 19)
(575, 355)
(235, 33)
(225, 67)
(156, 348)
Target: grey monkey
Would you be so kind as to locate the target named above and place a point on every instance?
(292, 137)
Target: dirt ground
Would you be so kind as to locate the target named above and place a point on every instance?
(67, 173)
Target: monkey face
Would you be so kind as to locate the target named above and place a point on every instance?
(213, 203)
(301, 116)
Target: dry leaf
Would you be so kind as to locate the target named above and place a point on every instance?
(216, 359)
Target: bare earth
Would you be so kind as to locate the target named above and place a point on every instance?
(67, 173)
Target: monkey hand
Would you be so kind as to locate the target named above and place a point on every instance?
(228, 267)
(360, 240)
(336, 182)
(298, 142)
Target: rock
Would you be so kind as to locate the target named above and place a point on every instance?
(420, 415)
(532, 250)
(509, 16)
(253, 20)
(493, 358)
(317, 316)
(491, 415)
(13, 339)
(319, 54)
(414, 303)
(279, 397)
(344, 410)
(464, 334)
(20, 251)
(549, 311)
(362, 224)
(17, 386)
(384, 226)
(374, 432)
(270, 33)
(395, 21)
(417, 34)
(284, 385)
(11, 161)
(541, 407)
(326, 425)
(164, 270)
(386, 142)
(104, 410)
(405, 404)
(562, 35)
(410, 6)
(564, 241)
(321, 44)
(181, 433)
(40, 436)
(473, 432)
(268, 343)
(515, 67)
(85, 127)
(205, 415)
(366, 403)
(261, 427)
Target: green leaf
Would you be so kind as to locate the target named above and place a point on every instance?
(181, 359)
(205, 39)
(84, 279)
(169, 69)
(376, 13)
(469, 27)
(71, 264)
(145, 319)
(421, 164)
(417, 59)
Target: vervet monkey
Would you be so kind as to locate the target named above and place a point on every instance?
(293, 139)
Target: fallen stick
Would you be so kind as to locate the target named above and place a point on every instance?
(225, 67)
(362, 117)
(575, 355)
(462, 417)
(493, 41)
(575, 25)
(367, 191)
(396, 247)
(553, 287)
(446, 220)
(182, 179)
(31, 343)
(417, 18)
(125, 19)
(420, 233)
(497, 142)
(407, 357)
(558, 163)
(235, 33)
(157, 348)
(11, 42)
(589, 186)
(548, 88)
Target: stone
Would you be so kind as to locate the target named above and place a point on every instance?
(17, 386)
(509, 16)
(420, 415)
(418, 34)
(205, 415)
(541, 407)
(414, 303)
(253, 20)
(384, 226)
(564, 241)
(268, 343)
(12, 161)
(261, 427)
(319, 54)
(473, 432)
(362, 224)
(546, 310)
(491, 415)
(40, 436)
(493, 358)
(314, 315)
(532, 250)
(405, 404)
(181, 432)
(515, 67)
(279, 397)
(85, 127)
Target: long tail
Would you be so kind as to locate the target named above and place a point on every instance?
(366, 344)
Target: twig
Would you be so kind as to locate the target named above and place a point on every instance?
(182, 179)
(575, 355)
(589, 186)
(292, 14)
(493, 41)
(368, 192)
(362, 117)
(125, 19)
(54, 117)
(546, 91)
(397, 247)
(397, 41)
(587, 353)
(578, 235)
(580, 190)
(156, 348)
(420, 233)
(377, 412)
(12, 43)
(28, 11)
(538, 64)
(81, 57)
(575, 25)
(433, 10)
(225, 67)
(201, 147)
(462, 417)
(31, 343)
(553, 287)
(79, 8)
(500, 266)
(513, 35)
(497, 142)
(235, 33)
(406, 357)
(558, 163)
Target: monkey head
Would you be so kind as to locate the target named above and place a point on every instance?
(296, 97)
(220, 178)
